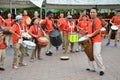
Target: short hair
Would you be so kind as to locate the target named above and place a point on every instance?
(94, 9)
(49, 13)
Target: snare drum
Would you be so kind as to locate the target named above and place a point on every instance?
(113, 32)
(43, 42)
(29, 44)
(88, 48)
(26, 36)
(73, 37)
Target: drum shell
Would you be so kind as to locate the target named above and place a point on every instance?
(42, 42)
(88, 48)
(28, 46)
(113, 34)
(73, 37)
(55, 38)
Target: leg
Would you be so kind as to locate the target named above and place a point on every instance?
(38, 52)
(66, 44)
(16, 47)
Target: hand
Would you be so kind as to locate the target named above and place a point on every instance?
(35, 36)
(18, 36)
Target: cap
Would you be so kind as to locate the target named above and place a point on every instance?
(18, 17)
(69, 16)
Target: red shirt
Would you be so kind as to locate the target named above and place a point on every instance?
(97, 25)
(68, 28)
(1, 22)
(61, 20)
(8, 22)
(3, 44)
(49, 24)
(35, 30)
(16, 29)
(115, 20)
(24, 18)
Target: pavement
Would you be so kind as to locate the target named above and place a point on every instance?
(52, 68)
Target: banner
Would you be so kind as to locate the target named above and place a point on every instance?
(84, 2)
(37, 2)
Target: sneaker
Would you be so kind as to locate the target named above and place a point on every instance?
(2, 69)
(115, 45)
(77, 50)
(49, 53)
(32, 60)
(14, 67)
(57, 48)
(22, 64)
(108, 43)
(101, 73)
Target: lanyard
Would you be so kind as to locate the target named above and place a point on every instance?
(71, 26)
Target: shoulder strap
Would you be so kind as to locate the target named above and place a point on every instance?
(92, 26)
(36, 31)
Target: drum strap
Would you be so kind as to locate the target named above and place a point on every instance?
(71, 26)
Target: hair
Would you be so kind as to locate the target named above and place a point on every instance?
(94, 9)
(32, 22)
(49, 13)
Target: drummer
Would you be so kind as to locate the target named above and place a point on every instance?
(115, 21)
(94, 34)
(69, 27)
(60, 24)
(17, 42)
(48, 22)
(35, 32)
(82, 27)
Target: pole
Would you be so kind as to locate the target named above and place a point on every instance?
(10, 6)
(41, 12)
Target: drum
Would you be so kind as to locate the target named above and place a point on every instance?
(73, 37)
(55, 38)
(103, 31)
(28, 21)
(88, 48)
(26, 36)
(113, 32)
(43, 42)
(29, 44)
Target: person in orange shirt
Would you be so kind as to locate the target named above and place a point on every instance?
(94, 34)
(24, 18)
(35, 32)
(69, 27)
(60, 25)
(36, 15)
(82, 28)
(48, 22)
(115, 21)
(17, 42)
(8, 23)
(2, 21)
(85, 12)
(2, 51)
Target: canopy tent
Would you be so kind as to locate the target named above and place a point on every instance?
(16, 4)
(82, 4)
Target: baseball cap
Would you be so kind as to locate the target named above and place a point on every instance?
(69, 16)
(18, 17)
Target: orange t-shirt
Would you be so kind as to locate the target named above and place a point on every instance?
(97, 25)
(8, 22)
(16, 29)
(24, 18)
(115, 20)
(35, 30)
(3, 44)
(84, 25)
(1, 21)
(87, 18)
(61, 20)
(68, 29)
(49, 24)
(104, 22)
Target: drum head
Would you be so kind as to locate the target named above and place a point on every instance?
(114, 27)
(83, 38)
(29, 43)
(64, 58)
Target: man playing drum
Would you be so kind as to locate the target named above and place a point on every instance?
(115, 21)
(60, 25)
(48, 22)
(69, 27)
(35, 32)
(17, 42)
(94, 34)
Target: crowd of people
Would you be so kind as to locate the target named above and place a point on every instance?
(88, 24)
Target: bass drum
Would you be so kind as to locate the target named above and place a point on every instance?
(113, 32)
(55, 38)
